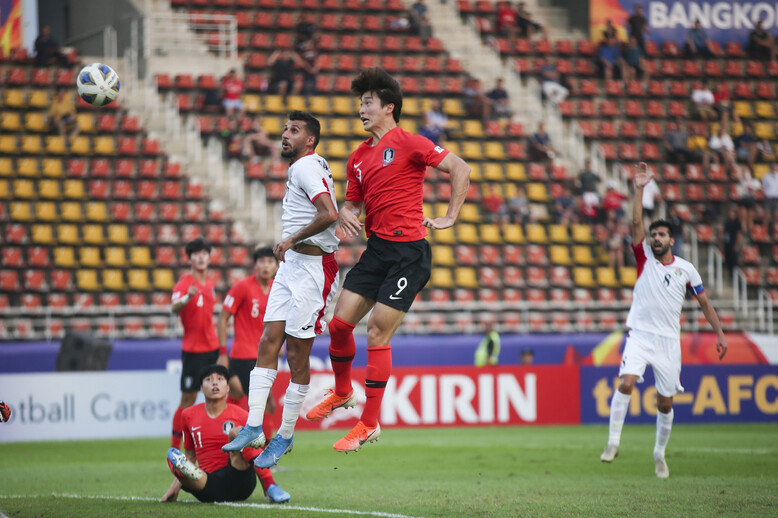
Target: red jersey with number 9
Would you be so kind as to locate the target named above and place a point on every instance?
(197, 315)
(206, 435)
(389, 178)
(247, 301)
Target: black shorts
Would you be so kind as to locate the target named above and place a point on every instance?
(391, 272)
(191, 365)
(242, 369)
(227, 485)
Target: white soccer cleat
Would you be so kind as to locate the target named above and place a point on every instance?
(610, 452)
(660, 467)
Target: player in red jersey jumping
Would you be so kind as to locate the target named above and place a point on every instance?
(386, 177)
(193, 299)
(204, 469)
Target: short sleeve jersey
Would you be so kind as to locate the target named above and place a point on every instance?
(247, 301)
(197, 315)
(309, 178)
(232, 88)
(389, 178)
(660, 291)
(206, 435)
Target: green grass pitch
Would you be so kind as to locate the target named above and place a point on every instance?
(716, 470)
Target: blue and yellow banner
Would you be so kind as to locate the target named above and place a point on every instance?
(10, 26)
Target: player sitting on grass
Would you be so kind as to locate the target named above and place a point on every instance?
(204, 470)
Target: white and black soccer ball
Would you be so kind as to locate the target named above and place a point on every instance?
(98, 84)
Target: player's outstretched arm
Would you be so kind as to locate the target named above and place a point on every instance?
(713, 318)
(459, 176)
(171, 495)
(642, 177)
(348, 218)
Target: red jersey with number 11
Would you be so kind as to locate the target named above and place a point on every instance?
(389, 178)
(247, 300)
(206, 434)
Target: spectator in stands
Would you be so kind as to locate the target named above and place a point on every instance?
(435, 122)
(697, 43)
(652, 196)
(610, 60)
(587, 180)
(679, 228)
(527, 356)
(232, 88)
(745, 146)
(305, 29)
(733, 239)
(610, 32)
(613, 202)
(507, 21)
(637, 26)
(282, 65)
(704, 101)
(62, 113)
(257, 144)
(420, 23)
(747, 188)
(590, 207)
(615, 245)
(760, 44)
(634, 64)
(697, 143)
(476, 102)
(527, 26)
(723, 106)
(47, 49)
(676, 143)
(770, 198)
(518, 207)
(564, 207)
(722, 149)
(501, 108)
(495, 210)
(765, 151)
(541, 149)
(308, 58)
(551, 84)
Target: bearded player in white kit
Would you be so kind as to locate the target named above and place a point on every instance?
(654, 322)
(305, 283)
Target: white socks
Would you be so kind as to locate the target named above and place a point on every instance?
(619, 406)
(293, 402)
(260, 383)
(664, 425)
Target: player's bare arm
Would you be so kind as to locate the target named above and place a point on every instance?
(348, 218)
(642, 177)
(221, 332)
(459, 176)
(712, 317)
(171, 495)
(178, 305)
(326, 215)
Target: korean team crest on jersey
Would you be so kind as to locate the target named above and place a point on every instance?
(388, 157)
(227, 426)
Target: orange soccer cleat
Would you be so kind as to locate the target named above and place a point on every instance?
(330, 403)
(358, 436)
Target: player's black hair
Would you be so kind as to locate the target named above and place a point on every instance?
(385, 87)
(196, 245)
(661, 223)
(312, 124)
(263, 251)
(214, 368)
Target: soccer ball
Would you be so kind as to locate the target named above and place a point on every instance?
(98, 84)
(5, 412)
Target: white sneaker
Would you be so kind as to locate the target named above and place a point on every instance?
(660, 467)
(610, 452)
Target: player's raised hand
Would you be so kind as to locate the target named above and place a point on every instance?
(192, 291)
(349, 223)
(642, 175)
(439, 223)
(721, 345)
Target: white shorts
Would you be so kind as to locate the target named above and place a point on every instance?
(302, 288)
(661, 352)
(235, 104)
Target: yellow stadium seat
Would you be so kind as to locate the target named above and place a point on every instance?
(582, 233)
(89, 256)
(138, 279)
(337, 148)
(96, 211)
(475, 172)
(10, 121)
(36, 122)
(102, 146)
(272, 125)
(113, 280)
(8, 144)
(20, 211)
(296, 102)
(141, 256)
(5, 192)
(409, 125)
(115, 256)
(743, 109)
(87, 280)
(273, 104)
(493, 172)
(358, 130)
(764, 110)
(42, 234)
(15, 98)
(56, 145)
(443, 255)
(558, 234)
(760, 170)
(452, 107)
(93, 234)
(39, 99)
(606, 277)
(6, 166)
(583, 278)
(536, 233)
(320, 104)
(471, 150)
(764, 130)
(583, 255)
(473, 128)
(629, 275)
(340, 190)
(24, 189)
(163, 279)
(467, 233)
(515, 172)
(339, 127)
(86, 122)
(31, 144)
(67, 234)
(251, 103)
(560, 255)
(355, 143)
(338, 169)
(490, 234)
(445, 236)
(513, 234)
(52, 167)
(74, 189)
(343, 105)
(65, 257)
(494, 151)
(46, 211)
(412, 107)
(453, 146)
(118, 234)
(537, 192)
(441, 278)
(70, 211)
(28, 167)
(49, 189)
(440, 209)
(469, 213)
(465, 278)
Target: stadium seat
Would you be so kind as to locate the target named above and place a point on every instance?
(87, 280)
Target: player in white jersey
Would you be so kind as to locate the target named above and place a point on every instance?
(304, 284)
(654, 322)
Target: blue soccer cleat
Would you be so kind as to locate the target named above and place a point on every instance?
(277, 495)
(181, 467)
(249, 436)
(274, 451)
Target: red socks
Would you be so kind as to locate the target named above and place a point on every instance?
(342, 350)
(264, 474)
(379, 367)
(178, 429)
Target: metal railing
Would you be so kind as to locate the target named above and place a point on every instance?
(739, 290)
(168, 33)
(764, 311)
(715, 269)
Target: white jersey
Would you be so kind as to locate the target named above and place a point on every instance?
(309, 178)
(660, 291)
